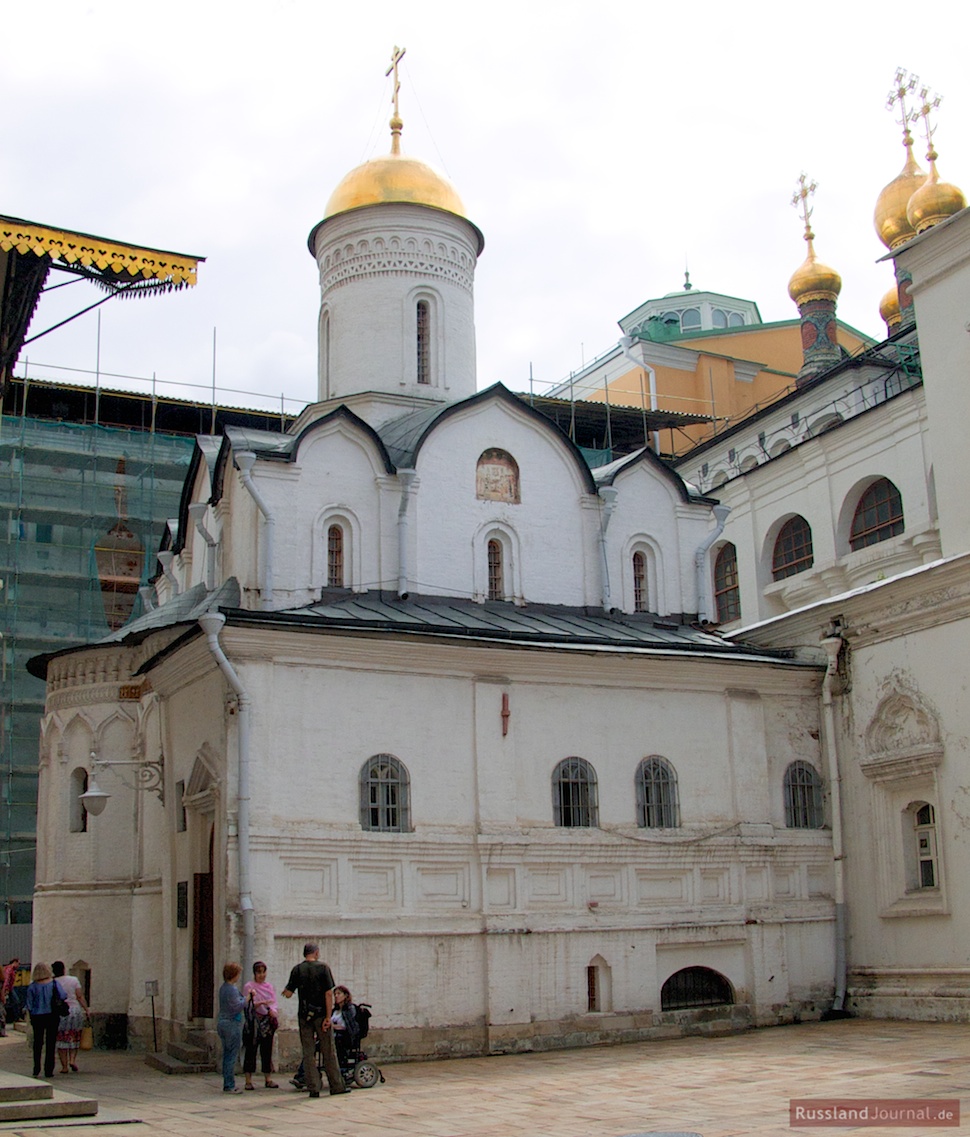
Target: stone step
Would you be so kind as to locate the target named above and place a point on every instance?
(55, 1104)
(13, 1087)
(170, 1065)
(188, 1052)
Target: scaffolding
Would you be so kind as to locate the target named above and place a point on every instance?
(83, 509)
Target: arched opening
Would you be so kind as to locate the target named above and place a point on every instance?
(335, 557)
(640, 594)
(727, 591)
(656, 792)
(803, 797)
(574, 797)
(78, 814)
(696, 987)
(496, 570)
(424, 341)
(793, 551)
(385, 805)
(878, 515)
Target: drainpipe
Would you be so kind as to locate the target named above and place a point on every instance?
(832, 646)
(700, 562)
(406, 478)
(626, 344)
(212, 624)
(608, 494)
(165, 559)
(196, 513)
(245, 460)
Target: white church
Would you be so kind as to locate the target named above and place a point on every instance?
(423, 685)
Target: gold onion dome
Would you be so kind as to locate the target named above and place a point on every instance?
(394, 178)
(889, 309)
(814, 281)
(892, 224)
(934, 201)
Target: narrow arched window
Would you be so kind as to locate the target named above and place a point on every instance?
(640, 601)
(727, 594)
(878, 516)
(574, 798)
(793, 549)
(803, 797)
(657, 805)
(690, 318)
(78, 822)
(384, 795)
(496, 570)
(424, 341)
(335, 557)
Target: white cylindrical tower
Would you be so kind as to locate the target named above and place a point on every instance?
(397, 266)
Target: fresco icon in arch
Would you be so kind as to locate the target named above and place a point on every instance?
(497, 477)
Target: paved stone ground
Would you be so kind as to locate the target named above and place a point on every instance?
(717, 1087)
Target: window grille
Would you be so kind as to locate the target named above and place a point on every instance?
(496, 575)
(424, 341)
(384, 795)
(803, 797)
(574, 802)
(878, 516)
(793, 549)
(592, 989)
(657, 804)
(727, 593)
(639, 582)
(695, 987)
(335, 557)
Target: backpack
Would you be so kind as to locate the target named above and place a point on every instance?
(363, 1018)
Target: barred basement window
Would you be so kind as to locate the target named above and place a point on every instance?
(335, 557)
(727, 594)
(574, 799)
(656, 787)
(803, 797)
(639, 582)
(496, 573)
(878, 516)
(384, 795)
(424, 341)
(793, 549)
(695, 987)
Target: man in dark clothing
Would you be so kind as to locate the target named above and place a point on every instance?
(313, 981)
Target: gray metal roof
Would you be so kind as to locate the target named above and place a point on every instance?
(552, 625)
(402, 435)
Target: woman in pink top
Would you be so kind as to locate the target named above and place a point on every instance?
(262, 1019)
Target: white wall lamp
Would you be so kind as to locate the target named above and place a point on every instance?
(150, 776)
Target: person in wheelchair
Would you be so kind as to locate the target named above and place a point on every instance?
(346, 1031)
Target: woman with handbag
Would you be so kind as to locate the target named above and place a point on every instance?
(69, 1030)
(262, 1019)
(44, 1003)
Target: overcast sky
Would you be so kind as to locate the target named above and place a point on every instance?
(598, 146)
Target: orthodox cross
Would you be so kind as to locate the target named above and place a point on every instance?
(396, 56)
(923, 112)
(800, 201)
(904, 83)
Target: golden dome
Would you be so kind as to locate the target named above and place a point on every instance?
(934, 201)
(890, 219)
(814, 281)
(394, 178)
(889, 309)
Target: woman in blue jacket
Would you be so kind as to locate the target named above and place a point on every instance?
(43, 1018)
